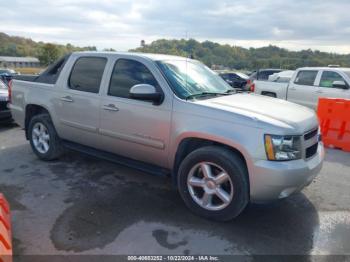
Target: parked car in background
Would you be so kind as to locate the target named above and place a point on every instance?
(308, 84)
(7, 74)
(172, 115)
(237, 80)
(5, 113)
(262, 75)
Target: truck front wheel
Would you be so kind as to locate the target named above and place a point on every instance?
(43, 137)
(213, 183)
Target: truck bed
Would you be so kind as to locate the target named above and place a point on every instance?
(30, 78)
(275, 89)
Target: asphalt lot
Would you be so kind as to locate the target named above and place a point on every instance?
(83, 205)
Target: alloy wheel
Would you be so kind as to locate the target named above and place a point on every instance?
(210, 186)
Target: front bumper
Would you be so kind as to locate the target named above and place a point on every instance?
(271, 180)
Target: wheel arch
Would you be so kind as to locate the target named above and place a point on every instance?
(189, 144)
(269, 93)
(30, 111)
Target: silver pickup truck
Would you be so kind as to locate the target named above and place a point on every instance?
(172, 115)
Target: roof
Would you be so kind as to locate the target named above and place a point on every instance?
(154, 57)
(19, 59)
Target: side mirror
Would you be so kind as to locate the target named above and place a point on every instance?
(340, 84)
(146, 92)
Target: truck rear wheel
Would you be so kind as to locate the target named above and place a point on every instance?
(43, 138)
(270, 94)
(213, 182)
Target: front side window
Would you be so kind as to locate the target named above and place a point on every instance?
(126, 74)
(306, 78)
(189, 78)
(87, 74)
(328, 77)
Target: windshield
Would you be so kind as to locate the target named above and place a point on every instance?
(189, 78)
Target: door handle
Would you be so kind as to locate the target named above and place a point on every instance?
(67, 99)
(110, 107)
(292, 88)
(319, 91)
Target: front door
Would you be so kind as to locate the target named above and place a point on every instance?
(133, 128)
(327, 89)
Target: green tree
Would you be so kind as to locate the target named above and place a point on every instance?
(49, 53)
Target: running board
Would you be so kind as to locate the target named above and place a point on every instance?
(141, 166)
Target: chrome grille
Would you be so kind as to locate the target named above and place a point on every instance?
(310, 134)
(311, 143)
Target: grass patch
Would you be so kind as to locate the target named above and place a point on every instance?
(29, 70)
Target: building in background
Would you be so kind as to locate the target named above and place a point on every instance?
(18, 62)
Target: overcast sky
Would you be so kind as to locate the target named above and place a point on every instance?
(121, 24)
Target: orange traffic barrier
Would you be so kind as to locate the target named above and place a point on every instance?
(334, 116)
(5, 231)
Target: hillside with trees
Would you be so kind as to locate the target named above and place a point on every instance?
(208, 52)
(46, 52)
(242, 58)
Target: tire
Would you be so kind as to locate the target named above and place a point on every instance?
(55, 148)
(230, 164)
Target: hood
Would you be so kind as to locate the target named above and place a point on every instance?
(265, 109)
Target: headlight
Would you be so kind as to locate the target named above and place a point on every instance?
(282, 148)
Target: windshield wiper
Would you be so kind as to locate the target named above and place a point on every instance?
(231, 91)
(203, 94)
(228, 92)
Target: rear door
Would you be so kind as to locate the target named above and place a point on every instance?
(326, 88)
(78, 100)
(303, 90)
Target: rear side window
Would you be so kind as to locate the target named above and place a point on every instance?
(87, 73)
(51, 74)
(306, 78)
(328, 77)
(264, 75)
(126, 74)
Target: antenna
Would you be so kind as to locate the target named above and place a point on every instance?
(186, 59)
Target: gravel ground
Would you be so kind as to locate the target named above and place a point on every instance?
(83, 205)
